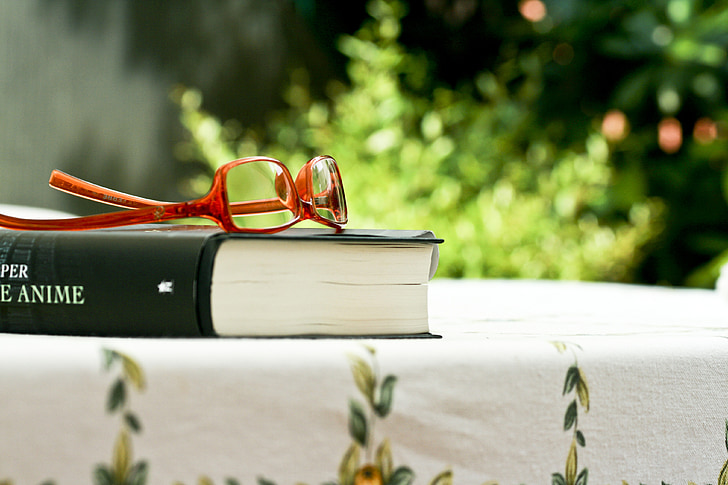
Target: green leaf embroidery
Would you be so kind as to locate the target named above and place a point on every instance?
(582, 391)
(444, 478)
(583, 477)
(570, 416)
(133, 372)
(349, 465)
(138, 474)
(571, 465)
(383, 460)
(402, 476)
(102, 476)
(386, 394)
(363, 377)
(132, 421)
(109, 357)
(117, 396)
(121, 460)
(572, 377)
(723, 477)
(581, 441)
(358, 423)
(558, 479)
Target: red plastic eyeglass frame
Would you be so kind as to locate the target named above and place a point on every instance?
(301, 201)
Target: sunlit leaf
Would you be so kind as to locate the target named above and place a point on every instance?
(204, 480)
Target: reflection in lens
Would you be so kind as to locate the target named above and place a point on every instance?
(261, 195)
(328, 191)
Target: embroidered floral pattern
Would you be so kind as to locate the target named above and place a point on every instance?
(367, 461)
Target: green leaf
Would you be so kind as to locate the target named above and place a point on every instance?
(265, 481)
(231, 481)
(117, 396)
(558, 479)
(582, 391)
(402, 476)
(133, 372)
(109, 357)
(363, 377)
(133, 422)
(570, 416)
(572, 377)
(583, 477)
(349, 464)
(358, 428)
(580, 438)
(383, 460)
(444, 478)
(103, 476)
(138, 474)
(571, 464)
(386, 394)
(121, 459)
(723, 477)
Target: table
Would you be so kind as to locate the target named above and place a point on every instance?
(530, 382)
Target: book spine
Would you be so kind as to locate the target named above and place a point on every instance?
(121, 283)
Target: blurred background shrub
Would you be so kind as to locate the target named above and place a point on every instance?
(473, 163)
(541, 138)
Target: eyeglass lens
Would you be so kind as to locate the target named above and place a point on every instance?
(328, 192)
(260, 196)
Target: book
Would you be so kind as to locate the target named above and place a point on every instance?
(188, 281)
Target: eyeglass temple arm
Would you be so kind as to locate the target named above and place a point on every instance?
(75, 186)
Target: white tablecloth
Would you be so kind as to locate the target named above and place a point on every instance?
(530, 382)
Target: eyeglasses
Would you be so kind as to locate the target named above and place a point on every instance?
(253, 195)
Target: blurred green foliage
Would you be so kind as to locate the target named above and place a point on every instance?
(517, 167)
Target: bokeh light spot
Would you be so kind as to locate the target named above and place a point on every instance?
(705, 130)
(615, 125)
(669, 135)
(532, 10)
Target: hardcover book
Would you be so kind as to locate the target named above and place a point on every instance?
(186, 281)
